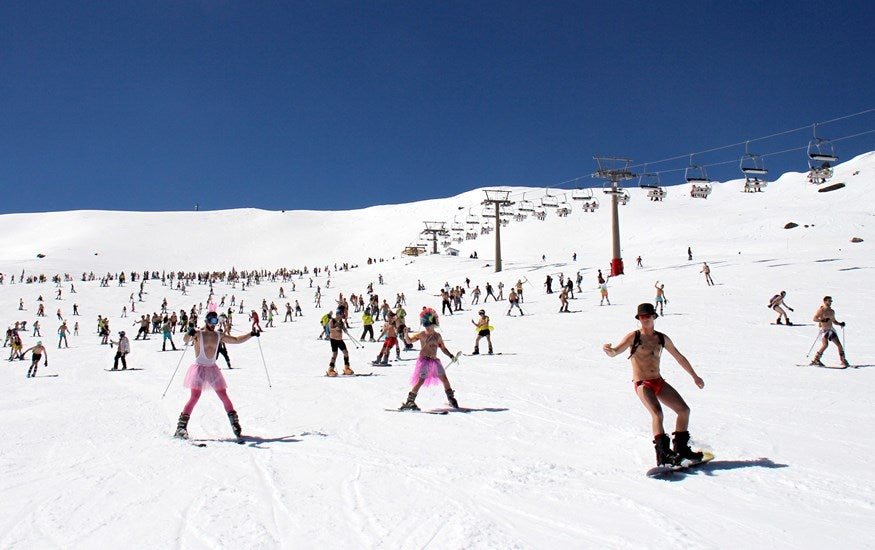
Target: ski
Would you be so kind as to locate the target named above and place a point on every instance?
(378, 364)
(833, 367)
(348, 375)
(120, 370)
(426, 411)
(668, 471)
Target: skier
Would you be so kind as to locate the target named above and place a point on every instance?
(428, 367)
(63, 331)
(707, 271)
(124, 348)
(603, 290)
(646, 346)
(205, 373)
(167, 333)
(483, 330)
(390, 332)
(367, 324)
(514, 300)
(825, 317)
(776, 302)
(38, 351)
(660, 296)
(336, 328)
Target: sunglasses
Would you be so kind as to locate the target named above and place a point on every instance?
(213, 320)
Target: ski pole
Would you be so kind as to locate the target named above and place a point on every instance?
(184, 349)
(263, 362)
(812, 344)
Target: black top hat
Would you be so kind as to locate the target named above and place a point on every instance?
(646, 309)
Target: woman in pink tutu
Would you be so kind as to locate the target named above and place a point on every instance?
(428, 367)
(205, 373)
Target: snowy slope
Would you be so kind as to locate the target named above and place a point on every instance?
(556, 459)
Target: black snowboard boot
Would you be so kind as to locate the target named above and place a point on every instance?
(664, 455)
(410, 404)
(235, 423)
(182, 426)
(451, 397)
(682, 448)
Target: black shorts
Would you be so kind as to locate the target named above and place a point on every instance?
(337, 345)
(484, 332)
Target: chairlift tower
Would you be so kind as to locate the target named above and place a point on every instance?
(435, 230)
(616, 170)
(498, 199)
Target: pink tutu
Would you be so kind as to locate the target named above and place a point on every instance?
(428, 370)
(199, 377)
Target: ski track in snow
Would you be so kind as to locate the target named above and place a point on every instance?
(555, 452)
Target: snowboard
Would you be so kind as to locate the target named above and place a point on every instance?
(426, 411)
(667, 471)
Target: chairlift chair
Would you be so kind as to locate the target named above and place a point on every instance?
(591, 205)
(581, 194)
(549, 201)
(472, 219)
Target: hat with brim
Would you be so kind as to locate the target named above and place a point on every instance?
(646, 309)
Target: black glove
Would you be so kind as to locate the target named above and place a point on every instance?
(842, 324)
(191, 332)
(255, 333)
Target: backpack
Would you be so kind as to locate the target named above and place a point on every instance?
(775, 299)
(325, 319)
(637, 341)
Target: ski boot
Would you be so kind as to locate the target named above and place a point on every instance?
(845, 361)
(331, 371)
(490, 350)
(476, 350)
(451, 397)
(816, 361)
(410, 404)
(235, 423)
(681, 446)
(182, 426)
(347, 371)
(778, 322)
(664, 455)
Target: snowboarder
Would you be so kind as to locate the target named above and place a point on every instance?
(205, 373)
(428, 367)
(483, 330)
(646, 346)
(38, 352)
(776, 302)
(825, 317)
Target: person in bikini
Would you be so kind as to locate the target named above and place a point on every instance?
(205, 373)
(645, 346)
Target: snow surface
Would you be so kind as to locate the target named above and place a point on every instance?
(556, 459)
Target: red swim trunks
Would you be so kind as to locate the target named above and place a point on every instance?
(654, 384)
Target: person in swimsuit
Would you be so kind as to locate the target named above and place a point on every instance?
(38, 352)
(660, 296)
(483, 331)
(825, 317)
(205, 373)
(428, 367)
(646, 346)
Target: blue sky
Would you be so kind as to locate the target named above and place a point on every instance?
(335, 105)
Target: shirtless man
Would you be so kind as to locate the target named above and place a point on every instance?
(483, 331)
(825, 317)
(646, 346)
(428, 367)
(707, 271)
(38, 352)
(336, 328)
(390, 331)
(660, 296)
